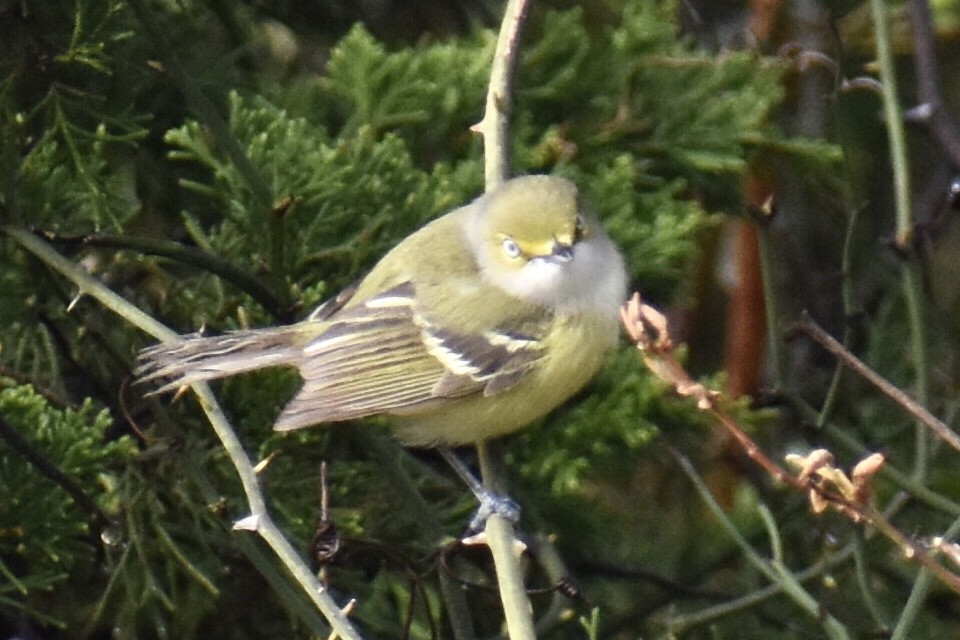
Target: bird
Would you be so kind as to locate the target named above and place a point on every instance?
(474, 326)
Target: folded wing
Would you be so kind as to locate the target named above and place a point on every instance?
(386, 356)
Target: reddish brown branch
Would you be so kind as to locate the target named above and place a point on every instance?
(826, 485)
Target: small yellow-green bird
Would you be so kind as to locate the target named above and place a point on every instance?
(472, 327)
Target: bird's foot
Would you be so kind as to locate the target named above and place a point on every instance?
(492, 504)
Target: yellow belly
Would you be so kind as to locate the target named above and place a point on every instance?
(576, 349)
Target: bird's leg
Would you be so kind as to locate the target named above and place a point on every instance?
(490, 502)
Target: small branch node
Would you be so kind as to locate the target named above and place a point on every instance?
(250, 523)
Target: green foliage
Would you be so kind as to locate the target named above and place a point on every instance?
(301, 176)
(45, 536)
(657, 229)
(64, 120)
(680, 113)
(635, 409)
(352, 197)
(409, 90)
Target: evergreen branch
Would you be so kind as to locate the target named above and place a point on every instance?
(36, 459)
(207, 113)
(249, 284)
(495, 129)
(259, 520)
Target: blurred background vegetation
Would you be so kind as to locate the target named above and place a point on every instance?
(232, 164)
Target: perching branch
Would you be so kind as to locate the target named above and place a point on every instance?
(259, 519)
(495, 126)
(495, 129)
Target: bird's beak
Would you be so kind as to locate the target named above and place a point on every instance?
(562, 252)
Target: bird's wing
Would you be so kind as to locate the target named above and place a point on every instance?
(334, 304)
(384, 355)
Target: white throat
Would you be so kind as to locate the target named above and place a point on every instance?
(594, 279)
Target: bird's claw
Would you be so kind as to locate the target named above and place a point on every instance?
(493, 504)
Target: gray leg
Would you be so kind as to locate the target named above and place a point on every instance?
(490, 502)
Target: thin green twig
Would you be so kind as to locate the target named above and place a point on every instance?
(863, 581)
(849, 297)
(921, 587)
(912, 287)
(894, 121)
(259, 520)
(246, 282)
(188, 566)
(774, 571)
(677, 623)
(904, 234)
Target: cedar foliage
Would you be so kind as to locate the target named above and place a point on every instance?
(137, 134)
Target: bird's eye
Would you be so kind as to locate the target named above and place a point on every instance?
(511, 248)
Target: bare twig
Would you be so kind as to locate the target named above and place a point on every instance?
(495, 126)
(810, 328)
(495, 129)
(928, 80)
(818, 477)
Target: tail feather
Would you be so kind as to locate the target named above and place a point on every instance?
(196, 358)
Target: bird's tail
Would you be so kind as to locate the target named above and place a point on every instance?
(195, 358)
